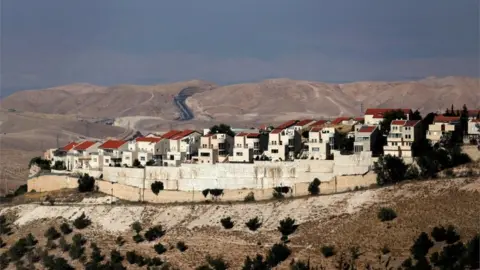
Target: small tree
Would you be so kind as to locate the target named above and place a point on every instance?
(439, 234)
(138, 238)
(17, 250)
(255, 264)
(253, 224)
(4, 226)
(136, 163)
(313, 187)
(65, 228)
(52, 234)
(131, 257)
(120, 241)
(328, 251)
(86, 183)
(216, 192)
(96, 255)
(227, 223)
(154, 233)
(159, 248)
(451, 235)
(287, 226)
(389, 170)
(136, 226)
(64, 246)
(386, 214)
(277, 254)
(81, 222)
(421, 246)
(30, 240)
(217, 263)
(156, 187)
(115, 256)
(151, 162)
(181, 246)
(250, 197)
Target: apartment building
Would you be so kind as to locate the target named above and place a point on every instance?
(182, 147)
(319, 146)
(366, 139)
(442, 125)
(215, 148)
(474, 129)
(248, 146)
(81, 156)
(284, 142)
(403, 133)
(111, 152)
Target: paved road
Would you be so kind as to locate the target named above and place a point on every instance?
(179, 100)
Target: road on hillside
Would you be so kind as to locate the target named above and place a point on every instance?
(179, 100)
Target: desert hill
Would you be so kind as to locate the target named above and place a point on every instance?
(274, 99)
(342, 220)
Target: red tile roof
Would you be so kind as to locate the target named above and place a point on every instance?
(170, 134)
(148, 139)
(473, 113)
(359, 119)
(182, 134)
(319, 123)
(446, 119)
(69, 146)
(84, 145)
(112, 144)
(381, 111)
(339, 120)
(368, 129)
(476, 120)
(316, 129)
(304, 122)
(412, 123)
(249, 135)
(276, 131)
(399, 122)
(287, 124)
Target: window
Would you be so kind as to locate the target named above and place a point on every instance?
(107, 161)
(142, 158)
(204, 146)
(127, 158)
(94, 159)
(273, 142)
(256, 145)
(239, 145)
(274, 151)
(239, 154)
(315, 149)
(203, 154)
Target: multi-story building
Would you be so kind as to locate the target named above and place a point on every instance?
(319, 146)
(366, 139)
(215, 148)
(375, 116)
(284, 142)
(59, 154)
(442, 125)
(403, 133)
(183, 146)
(474, 129)
(248, 146)
(111, 152)
(81, 156)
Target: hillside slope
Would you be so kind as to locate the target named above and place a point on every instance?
(342, 220)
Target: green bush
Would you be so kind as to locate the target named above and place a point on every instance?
(159, 248)
(64, 246)
(30, 240)
(76, 251)
(120, 241)
(451, 235)
(137, 238)
(389, 170)
(421, 246)
(439, 234)
(277, 254)
(217, 263)
(181, 246)
(250, 197)
(137, 227)
(386, 214)
(78, 239)
(328, 251)
(254, 264)
(156, 187)
(96, 255)
(52, 234)
(154, 233)
(314, 187)
(115, 256)
(17, 250)
(65, 228)
(4, 226)
(227, 223)
(131, 257)
(81, 222)
(86, 183)
(253, 224)
(287, 226)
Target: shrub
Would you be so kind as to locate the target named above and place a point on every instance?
(50, 245)
(451, 235)
(2, 244)
(79, 239)
(254, 264)
(131, 257)
(20, 190)
(151, 162)
(159, 248)
(52, 234)
(64, 246)
(50, 200)
(227, 223)
(299, 265)
(421, 246)
(328, 251)
(278, 192)
(32, 257)
(250, 197)
(205, 192)
(137, 238)
(115, 256)
(30, 240)
(4, 261)
(86, 183)
(386, 214)
(277, 195)
(156, 187)
(253, 224)
(216, 192)
(81, 222)
(217, 263)
(154, 233)
(181, 246)
(277, 254)
(4, 226)
(17, 250)
(155, 262)
(120, 241)
(389, 170)
(65, 228)
(313, 187)
(60, 263)
(137, 227)
(439, 234)
(76, 251)
(96, 255)
(287, 226)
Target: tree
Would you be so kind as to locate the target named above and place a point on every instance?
(313, 187)
(328, 251)
(86, 183)
(40, 162)
(439, 234)
(451, 235)
(136, 226)
(390, 170)
(59, 165)
(65, 228)
(287, 226)
(96, 255)
(216, 192)
(81, 222)
(416, 115)
(217, 263)
(255, 264)
(4, 226)
(205, 192)
(154, 233)
(388, 117)
(131, 257)
(159, 248)
(52, 234)
(227, 223)
(253, 224)
(421, 246)
(464, 120)
(136, 163)
(386, 214)
(277, 254)
(156, 187)
(181, 246)
(150, 162)
(115, 256)
(222, 128)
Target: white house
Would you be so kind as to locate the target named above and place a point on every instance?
(111, 152)
(442, 125)
(284, 142)
(403, 133)
(366, 138)
(215, 148)
(183, 146)
(248, 146)
(80, 156)
(319, 146)
(373, 116)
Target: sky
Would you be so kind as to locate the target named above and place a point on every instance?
(54, 42)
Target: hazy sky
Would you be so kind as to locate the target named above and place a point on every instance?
(53, 42)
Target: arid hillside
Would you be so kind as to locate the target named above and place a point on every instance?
(280, 99)
(343, 221)
(98, 101)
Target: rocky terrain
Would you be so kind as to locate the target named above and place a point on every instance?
(341, 220)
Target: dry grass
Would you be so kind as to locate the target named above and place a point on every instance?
(420, 206)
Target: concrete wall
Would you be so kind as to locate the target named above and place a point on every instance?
(51, 182)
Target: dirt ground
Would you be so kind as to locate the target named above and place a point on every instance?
(341, 220)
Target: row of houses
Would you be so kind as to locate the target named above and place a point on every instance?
(294, 139)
